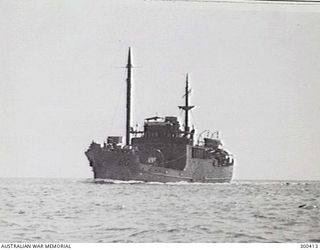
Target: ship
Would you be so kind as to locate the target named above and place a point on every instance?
(163, 151)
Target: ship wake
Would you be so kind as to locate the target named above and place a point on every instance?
(133, 182)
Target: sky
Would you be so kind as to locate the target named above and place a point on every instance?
(254, 69)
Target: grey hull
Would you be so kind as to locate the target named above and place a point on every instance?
(125, 166)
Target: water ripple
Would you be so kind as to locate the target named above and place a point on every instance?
(53, 210)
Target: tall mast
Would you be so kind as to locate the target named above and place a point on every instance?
(186, 108)
(129, 67)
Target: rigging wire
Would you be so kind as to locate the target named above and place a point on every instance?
(194, 119)
(120, 97)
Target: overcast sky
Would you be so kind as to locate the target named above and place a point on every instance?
(254, 70)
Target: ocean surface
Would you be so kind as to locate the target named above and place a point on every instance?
(80, 210)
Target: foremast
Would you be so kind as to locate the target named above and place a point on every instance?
(128, 122)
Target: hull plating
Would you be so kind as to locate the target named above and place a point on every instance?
(125, 165)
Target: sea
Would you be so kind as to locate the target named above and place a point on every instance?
(87, 211)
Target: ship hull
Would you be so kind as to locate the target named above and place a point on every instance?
(125, 165)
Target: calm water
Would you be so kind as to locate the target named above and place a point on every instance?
(74, 210)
